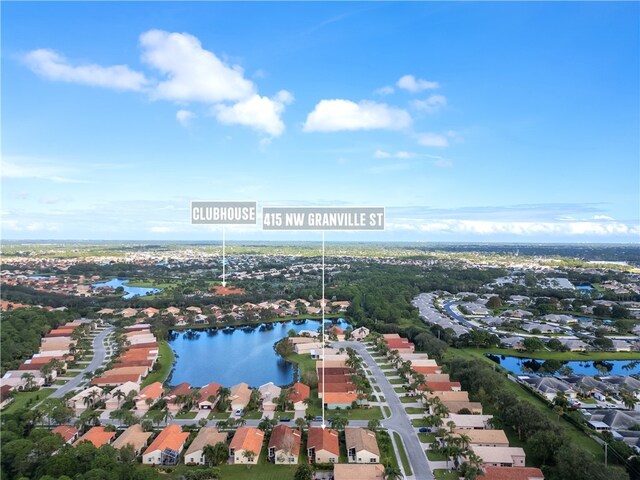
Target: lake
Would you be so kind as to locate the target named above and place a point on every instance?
(228, 358)
(523, 366)
(130, 292)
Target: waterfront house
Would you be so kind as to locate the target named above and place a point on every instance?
(240, 396)
(208, 396)
(500, 456)
(352, 471)
(148, 396)
(298, 394)
(269, 393)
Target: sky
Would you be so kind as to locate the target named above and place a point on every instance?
(473, 122)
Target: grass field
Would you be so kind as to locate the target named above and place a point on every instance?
(414, 410)
(445, 475)
(403, 455)
(21, 399)
(568, 356)
(186, 416)
(165, 359)
(436, 456)
(576, 436)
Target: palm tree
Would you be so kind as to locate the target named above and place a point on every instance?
(249, 455)
(209, 453)
(28, 379)
(223, 397)
(301, 423)
(391, 472)
(629, 401)
(119, 394)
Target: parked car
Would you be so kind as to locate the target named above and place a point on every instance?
(317, 418)
(239, 412)
(424, 430)
(285, 419)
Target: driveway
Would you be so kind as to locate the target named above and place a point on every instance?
(398, 421)
(96, 362)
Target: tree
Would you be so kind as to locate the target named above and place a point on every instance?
(494, 302)
(391, 472)
(303, 472)
(214, 454)
(533, 344)
(249, 455)
(339, 422)
(544, 445)
(373, 425)
(301, 423)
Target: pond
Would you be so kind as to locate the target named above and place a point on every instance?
(231, 356)
(523, 366)
(130, 292)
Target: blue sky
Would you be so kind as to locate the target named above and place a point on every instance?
(468, 121)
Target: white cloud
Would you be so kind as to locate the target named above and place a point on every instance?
(51, 65)
(193, 73)
(432, 140)
(184, 117)
(443, 163)
(430, 105)
(391, 167)
(259, 113)
(602, 217)
(414, 85)
(386, 90)
(398, 154)
(490, 227)
(25, 167)
(338, 114)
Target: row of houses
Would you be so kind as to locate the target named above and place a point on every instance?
(499, 460)
(56, 349)
(284, 446)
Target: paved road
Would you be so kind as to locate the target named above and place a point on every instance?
(96, 362)
(398, 421)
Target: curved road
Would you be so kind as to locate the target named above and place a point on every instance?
(96, 362)
(398, 421)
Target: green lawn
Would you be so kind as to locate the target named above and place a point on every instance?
(21, 399)
(279, 415)
(381, 398)
(414, 410)
(219, 415)
(436, 456)
(387, 411)
(409, 399)
(252, 415)
(546, 355)
(577, 436)
(445, 475)
(401, 389)
(419, 422)
(186, 416)
(390, 373)
(262, 471)
(403, 455)
(397, 381)
(426, 437)
(60, 382)
(377, 389)
(305, 363)
(165, 359)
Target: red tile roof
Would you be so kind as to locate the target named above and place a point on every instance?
(299, 392)
(96, 435)
(171, 437)
(283, 437)
(248, 439)
(323, 439)
(511, 473)
(67, 432)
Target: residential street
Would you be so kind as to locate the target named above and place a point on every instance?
(96, 362)
(399, 421)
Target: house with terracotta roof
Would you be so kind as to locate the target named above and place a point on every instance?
(323, 445)
(510, 473)
(334, 400)
(166, 447)
(5, 395)
(98, 436)
(68, 433)
(246, 445)
(207, 436)
(362, 446)
(148, 396)
(115, 380)
(441, 386)
(208, 396)
(456, 407)
(240, 396)
(176, 396)
(299, 393)
(448, 396)
(82, 400)
(353, 471)
(134, 436)
(284, 445)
